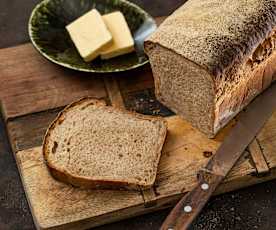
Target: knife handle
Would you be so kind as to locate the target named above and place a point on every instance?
(187, 209)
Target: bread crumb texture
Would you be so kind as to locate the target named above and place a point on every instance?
(101, 143)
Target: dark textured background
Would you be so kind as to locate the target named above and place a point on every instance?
(251, 208)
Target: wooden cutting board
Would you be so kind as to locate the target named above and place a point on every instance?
(33, 91)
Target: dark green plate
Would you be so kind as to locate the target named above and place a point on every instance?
(49, 36)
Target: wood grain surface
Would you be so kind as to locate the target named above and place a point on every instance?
(253, 208)
(22, 135)
(114, 93)
(267, 141)
(57, 206)
(258, 157)
(14, 212)
(40, 85)
(185, 152)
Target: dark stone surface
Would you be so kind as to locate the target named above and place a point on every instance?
(14, 16)
(145, 102)
(14, 210)
(251, 208)
(248, 209)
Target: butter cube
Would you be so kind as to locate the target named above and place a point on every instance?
(122, 39)
(89, 34)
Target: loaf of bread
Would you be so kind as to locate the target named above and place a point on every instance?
(92, 145)
(210, 58)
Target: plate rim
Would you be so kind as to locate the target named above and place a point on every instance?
(66, 65)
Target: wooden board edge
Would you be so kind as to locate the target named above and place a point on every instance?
(36, 223)
(114, 93)
(112, 217)
(160, 202)
(245, 181)
(258, 157)
(11, 137)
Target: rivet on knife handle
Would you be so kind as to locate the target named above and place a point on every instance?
(183, 214)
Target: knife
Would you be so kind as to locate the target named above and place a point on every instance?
(248, 125)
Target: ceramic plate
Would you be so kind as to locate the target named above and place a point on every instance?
(49, 36)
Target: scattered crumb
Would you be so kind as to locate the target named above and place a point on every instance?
(207, 154)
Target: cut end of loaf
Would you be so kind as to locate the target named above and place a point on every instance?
(92, 145)
(230, 42)
(188, 91)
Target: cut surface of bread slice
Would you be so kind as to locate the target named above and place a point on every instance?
(92, 145)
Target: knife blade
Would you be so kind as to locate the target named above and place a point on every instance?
(248, 125)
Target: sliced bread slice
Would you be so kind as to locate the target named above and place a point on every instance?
(93, 145)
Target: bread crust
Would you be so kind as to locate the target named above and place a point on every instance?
(222, 38)
(219, 41)
(87, 182)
